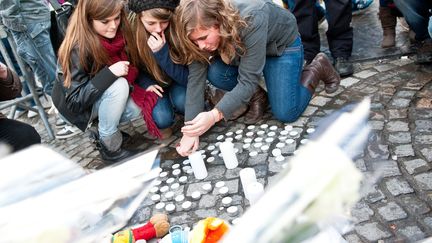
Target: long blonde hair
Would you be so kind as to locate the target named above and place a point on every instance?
(194, 14)
(81, 35)
(145, 54)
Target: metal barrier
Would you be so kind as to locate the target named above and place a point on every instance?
(28, 77)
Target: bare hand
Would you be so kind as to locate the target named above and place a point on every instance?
(187, 145)
(3, 71)
(120, 69)
(156, 41)
(156, 89)
(199, 125)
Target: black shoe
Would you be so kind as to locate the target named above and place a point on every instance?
(343, 66)
(111, 157)
(424, 52)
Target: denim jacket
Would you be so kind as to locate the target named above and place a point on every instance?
(15, 14)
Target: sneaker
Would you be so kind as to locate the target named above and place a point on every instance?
(60, 123)
(67, 132)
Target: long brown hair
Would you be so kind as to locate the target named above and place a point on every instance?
(81, 35)
(145, 54)
(194, 14)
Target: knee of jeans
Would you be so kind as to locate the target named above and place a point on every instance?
(120, 87)
(285, 116)
(163, 119)
(178, 99)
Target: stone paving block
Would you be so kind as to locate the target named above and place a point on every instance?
(386, 168)
(427, 153)
(413, 233)
(384, 67)
(414, 205)
(392, 211)
(320, 101)
(378, 151)
(376, 125)
(353, 238)
(416, 166)
(207, 201)
(406, 93)
(397, 126)
(374, 194)
(423, 126)
(424, 103)
(365, 74)
(397, 114)
(400, 103)
(400, 137)
(360, 164)
(398, 186)
(423, 139)
(404, 150)
(424, 181)
(428, 222)
(372, 231)
(347, 82)
(361, 212)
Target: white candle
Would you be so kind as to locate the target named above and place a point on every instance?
(220, 184)
(254, 192)
(176, 172)
(175, 186)
(183, 179)
(198, 166)
(223, 190)
(228, 154)
(155, 197)
(186, 205)
(226, 201)
(170, 207)
(207, 187)
(247, 177)
(175, 166)
(179, 198)
(160, 205)
(232, 211)
(196, 195)
(169, 195)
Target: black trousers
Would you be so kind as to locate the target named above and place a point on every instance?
(17, 134)
(339, 33)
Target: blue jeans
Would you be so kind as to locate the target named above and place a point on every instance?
(113, 107)
(416, 14)
(34, 47)
(172, 102)
(430, 26)
(288, 98)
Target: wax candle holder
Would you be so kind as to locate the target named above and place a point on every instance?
(247, 177)
(254, 192)
(228, 154)
(198, 166)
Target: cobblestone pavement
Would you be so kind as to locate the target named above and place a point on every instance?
(396, 207)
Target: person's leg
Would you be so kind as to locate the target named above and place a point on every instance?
(288, 98)
(163, 112)
(221, 75)
(17, 134)
(307, 22)
(34, 47)
(178, 97)
(416, 14)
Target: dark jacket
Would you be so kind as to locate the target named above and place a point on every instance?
(9, 88)
(75, 103)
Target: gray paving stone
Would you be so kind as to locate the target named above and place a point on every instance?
(377, 125)
(365, 74)
(405, 93)
(397, 126)
(398, 186)
(413, 233)
(204, 213)
(361, 212)
(400, 137)
(207, 201)
(428, 222)
(353, 238)
(372, 231)
(360, 164)
(378, 151)
(400, 103)
(423, 139)
(386, 168)
(414, 205)
(374, 194)
(397, 114)
(423, 126)
(416, 166)
(392, 211)
(427, 153)
(319, 101)
(347, 82)
(424, 181)
(384, 67)
(404, 150)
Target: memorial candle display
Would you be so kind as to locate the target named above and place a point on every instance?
(254, 191)
(198, 166)
(247, 177)
(228, 154)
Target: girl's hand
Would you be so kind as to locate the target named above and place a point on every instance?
(3, 71)
(199, 125)
(120, 69)
(156, 41)
(187, 145)
(156, 89)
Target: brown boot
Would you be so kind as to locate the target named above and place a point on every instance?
(257, 106)
(320, 69)
(166, 133)
(388, 23)
(213, 95)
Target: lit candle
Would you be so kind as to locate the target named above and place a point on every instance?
(228, 154)
(254, 192)
(247, 177)
(198, 166)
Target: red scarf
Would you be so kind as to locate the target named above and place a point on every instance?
(144, 99)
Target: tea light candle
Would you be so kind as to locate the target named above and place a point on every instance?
(236, 150)
(239, 131)
(310, 130)
(238, 137)
(265, 147)
(228, 155)
(273, 128)
(280, 145)
(246, 145)
(219, 184)
(190, 171)
(159, 170)
(249, 134)
(198, 166)
(269, 140)
(157, 182)
(226, 201)
(288, 127)
(160, 206)
(183, 179)
(179, 198)
(228, 134)
(251, 127)
(254, 192)
(163, 174)
(186, 205)
(176, 172)
(211, 147)
(260, 133)
(169, 195)
(220, 137)
(186, 162)
(164, 189)
(304, 141)
(264, 126)
(196, 195)
(175, 186)
(257, 145)
(232, 211)
(276, 152)
(247, 140)
(170, 180)
(155, 198)
(283, 138)
(289, 141)
(284, 132)
(175, 166)
(247, 177)
(229, 139)
(258, 139)
(154, 189)
(217, 144)
(280, 158)
(170, 207)
(210, 159)
(223, 190)
(271, 134)
(293, 133)
(253, 153)
(214, 152)
(207, 187)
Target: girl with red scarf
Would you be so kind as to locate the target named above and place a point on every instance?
(96, 76)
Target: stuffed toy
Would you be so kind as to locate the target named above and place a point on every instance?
(209, 230)
(157, 226)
